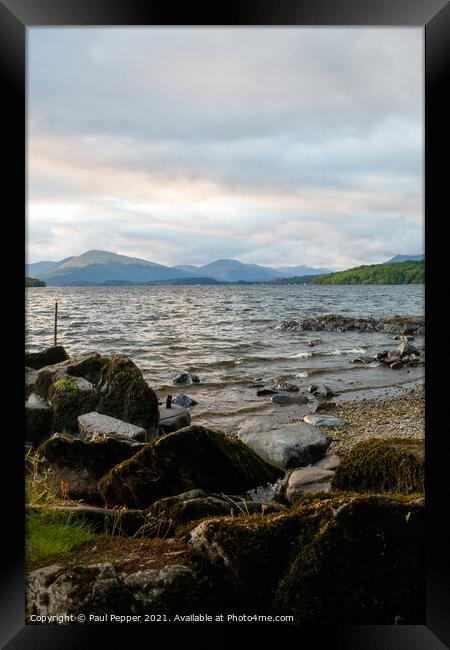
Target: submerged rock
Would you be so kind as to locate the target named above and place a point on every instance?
(285, 446)
(284, 400)
(186, 378)
(92, 425)
(383, 465)
(193, 457)
(46, 357)
(266, 391)
(184, 400)
(76, 466)
(38, 419)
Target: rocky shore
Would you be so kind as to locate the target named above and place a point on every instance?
(335, 322)
(173, 517)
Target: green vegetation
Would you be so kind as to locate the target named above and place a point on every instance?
(34, 282)
(396, 273)
(51, 535)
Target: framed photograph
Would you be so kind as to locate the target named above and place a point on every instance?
(226, 421)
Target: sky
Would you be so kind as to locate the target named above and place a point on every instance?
(274, 146)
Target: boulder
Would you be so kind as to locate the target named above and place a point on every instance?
(184, 400)
(324, 421)
(306, 480)
(199, 504)
(93, 425)
(383, 465)
(186, 378)
(38, 419)
(325, 391)
(286, 446)
(75, 466)
(46, 357)
(362, 566)
(330, 461)
(173, 418)
(71, 397)
(284, 400)
(30, 381)
(127, 396)
(193, 457)
(406, 348)
(90, 589)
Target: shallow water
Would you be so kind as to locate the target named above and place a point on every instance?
(228, 336)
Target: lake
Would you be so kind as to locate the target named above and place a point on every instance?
(228, 336)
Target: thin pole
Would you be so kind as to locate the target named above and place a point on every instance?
(56, 324)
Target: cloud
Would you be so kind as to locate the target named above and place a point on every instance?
(181, 145)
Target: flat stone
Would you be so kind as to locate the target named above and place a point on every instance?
(309, 479)
(290, 445)
(328, 462)
(324, 421)
(183, 400)
(91, 425)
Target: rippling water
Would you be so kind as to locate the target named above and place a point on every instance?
(227, 335)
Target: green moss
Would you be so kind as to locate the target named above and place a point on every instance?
(362, 566)
(193, 457)
(66, 385)
(383, 465)
(127, 396)
(69, 402)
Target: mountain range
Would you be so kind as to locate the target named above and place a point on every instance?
(99, 267)
(405, 258)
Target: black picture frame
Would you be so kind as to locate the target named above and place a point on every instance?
(18, 15)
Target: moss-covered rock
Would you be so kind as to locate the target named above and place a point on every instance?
(89, 366)
(75, 466)
(383, 465)
(364, 566)
(46, 357)
(71, 397)
(127, 396)
(194, 457)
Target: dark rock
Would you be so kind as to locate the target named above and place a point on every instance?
(199, 504)
(406, 348)
(286, 386)
(325, 407)
(313, 388)
(289, 399)
(285, 446)
(383, 465)
(47, 357)
(173, 419)
(127, 396)
(184, 400)
(325, 391)
(78, 465)
(365, 566)
(186, 378)
(194, 457)
(266, 391)
(38, 420)
(396, 365)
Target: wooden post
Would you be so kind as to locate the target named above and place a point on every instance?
(169, 402)
(55, 337)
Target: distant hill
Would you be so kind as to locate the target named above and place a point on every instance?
(405, 258)
(103, 267)
(96, 267)
(394, 273)
(34, 282)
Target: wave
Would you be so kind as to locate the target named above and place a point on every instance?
(332, 353)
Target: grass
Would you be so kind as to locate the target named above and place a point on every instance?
(51, 535)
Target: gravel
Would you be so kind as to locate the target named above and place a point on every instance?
(394, 416)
